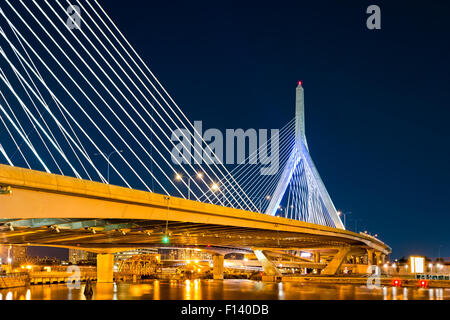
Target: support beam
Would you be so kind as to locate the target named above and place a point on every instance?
(317, 257)
(378, 260)
(268, 266)
(218, 261)
(369, 257)
(335, 264)
(105, 267)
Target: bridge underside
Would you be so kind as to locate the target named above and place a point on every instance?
(63, 211)
(124, 233)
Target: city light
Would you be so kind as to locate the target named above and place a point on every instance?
(178, 177)
(200, 175)
(165, 239)
(417, 264)
(214, 187)
(305, 254)
(396, 283)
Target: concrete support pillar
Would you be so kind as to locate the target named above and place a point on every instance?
(218, 260)
(369, 256)
(335, 264)
(317, 257)
(271, 272)
(378, 258)
(105, 267)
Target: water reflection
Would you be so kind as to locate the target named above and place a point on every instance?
(218, 289)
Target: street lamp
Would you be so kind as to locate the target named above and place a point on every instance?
(280, 208)
(214, 186)
(356, 224)
(179, 177)
(107, 157)
(344, 214)
(260, 202)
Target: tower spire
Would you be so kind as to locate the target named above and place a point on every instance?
(300, 115)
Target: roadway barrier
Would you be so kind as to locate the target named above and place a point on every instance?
(12, 280)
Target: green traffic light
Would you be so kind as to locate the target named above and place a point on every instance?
(165, 239)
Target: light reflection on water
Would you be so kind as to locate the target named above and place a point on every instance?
(218, 289)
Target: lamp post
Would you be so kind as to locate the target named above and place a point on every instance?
(260, 202)
(356, 225)
(108, 157)
(179, 177)
(9, 258)
(344, 214)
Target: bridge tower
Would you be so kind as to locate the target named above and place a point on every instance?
(317, 193)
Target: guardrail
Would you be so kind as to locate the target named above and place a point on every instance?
(15, 279)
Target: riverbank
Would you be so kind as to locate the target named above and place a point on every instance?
(383, 281)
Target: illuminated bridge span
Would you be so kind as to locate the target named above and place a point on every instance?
(72, 98)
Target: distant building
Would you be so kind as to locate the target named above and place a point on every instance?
(80, 256)
(128, 254)
(184, 254)
(17, 254)
(3, 254)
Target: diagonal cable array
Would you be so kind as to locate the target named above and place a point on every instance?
(259, 187)
(74, 101)
(70, 99)
(303, 199)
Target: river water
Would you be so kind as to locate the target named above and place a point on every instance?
(226, 289)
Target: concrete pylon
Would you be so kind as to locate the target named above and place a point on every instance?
(317, 257)
(105, 267)
(369, 256)
(269, 268)
(335, 264)
(301, 152)
(378, 260)
(218, 261)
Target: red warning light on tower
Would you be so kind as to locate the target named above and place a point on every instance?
(299, 82)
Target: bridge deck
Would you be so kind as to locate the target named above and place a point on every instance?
(49, 209)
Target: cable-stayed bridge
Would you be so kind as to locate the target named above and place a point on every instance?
(79, 106)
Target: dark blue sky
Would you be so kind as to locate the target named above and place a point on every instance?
(377, 102)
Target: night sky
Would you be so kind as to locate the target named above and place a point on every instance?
(376, 101)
